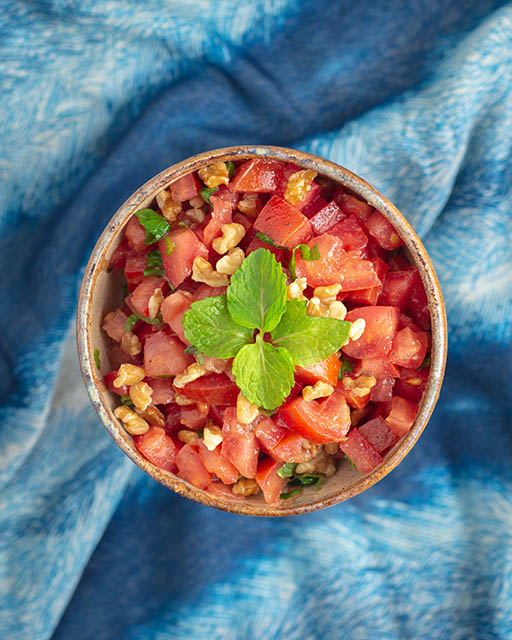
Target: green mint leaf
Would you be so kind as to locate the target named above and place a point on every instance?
(135, 317)
(206, 193)
(209, 327)
(346, 367)
(425, 363)
(264, 373)
(169, 246)
(286, 471)
(96, 356)
(306, 253)
(231, 169)
(306, 479)
(127, 401)
(267, 240)
(257, 293)
(308, 339)
(154, 264)
(291, 494)
(155, 224)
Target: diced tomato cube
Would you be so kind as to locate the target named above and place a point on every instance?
(144, 329)
(383, 231)
(350, 232)
(378, 434)
(281, 443)
(411, 384)
(224, 193)
(258, 175)
(383, 390)
(335, 266)
(172, 418)
(357, 448)
(194, 416)
(173, 309)
(157, 447)
(314, 206)
(191, 467)
(109, 378)
(256, 243)
(186, 188)
(185, 247)
(218, 464)
(141, 295)
(325, 371)
(409, 348)
(118, 258)
(239, 444)
(351, 205)
(135, 234)
(269, 433)
(165, 355)
(402, 415)
(320, 422)
(114, 324)
(215, 388)
(283, 223)
(377, 338)
(379, 367)
(241, 218)
(397, 288)
(117, 357)
(217, 414)
(418, 305)
(327, 217)
(223, 491)
(134, 269)
(311, 195)
(163, 392)
(371, 295)
(221, 214)
(270, 483)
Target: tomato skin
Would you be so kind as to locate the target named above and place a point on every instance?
(379, 367)
(117, 357)
(239, 444)
(357, 448)
(351, 205)
(173, 309)
(397, 288)
(157, 447)
(351, 234)
(311, 195)
(383, 390)
(114, 324)
(402, 415)
(320, 422)
(172, 419)
(281, 443)
(257, 176)
(224, 193)
(134, 269)
(327, 217)
(135, 235)
(371, 295)
(186, 188)
(139, 299)
(165, 355)
(270, 483)
(191, 467)
(194, 416)
(314, 206)
(163, 393)
(325, 371)
(383, 231)
(409, 348)
(221, 214)
(178, 265)
(411, 384)
(378, 434)
(380, 329)
(213, 389)
(418, 305)
(282, 223)
(218, 464)
(118, 258)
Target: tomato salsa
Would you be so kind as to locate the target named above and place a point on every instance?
(271, 328)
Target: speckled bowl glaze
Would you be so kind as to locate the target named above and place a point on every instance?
(101, 293)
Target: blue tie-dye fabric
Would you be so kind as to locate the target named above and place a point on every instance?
(95, 98)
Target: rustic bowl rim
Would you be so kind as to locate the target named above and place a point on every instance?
(97, 263)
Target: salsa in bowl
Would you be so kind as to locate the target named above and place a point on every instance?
(260, 330)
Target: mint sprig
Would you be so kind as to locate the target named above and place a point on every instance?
(155, 224)
(255, 303)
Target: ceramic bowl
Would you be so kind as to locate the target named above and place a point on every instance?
(101, 293)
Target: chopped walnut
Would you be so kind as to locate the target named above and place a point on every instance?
(152, 415)
(202, 271)
(154, 303)
(249, 205)
(188, 437)
(128, 374)
(229, 263)
(192, 372)
(212, 436)
(295, 290)
(140, 394)
(131, 344)
(246, 412)
(245, 487)
(322, 463)
(232, 233)
(133, 423)
(214, 174)
(318, 390)
(169, 208)
(299, 183)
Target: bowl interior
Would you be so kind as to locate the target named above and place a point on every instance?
(101, 292)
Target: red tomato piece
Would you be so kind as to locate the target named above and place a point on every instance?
(418, 305)
(383, 390)
(242, 219)
(186, 188)
(357, 448)
(157, 447)
(205, 291)
(409, 348)
(114, 324)
(313, 207)
(173, 309)
(258, 175)
(165, 355)
(109, 378)
(223, 491)
(371, 295)
(191, 467)
(141, 295)
(118, 258)
(402, 415)
(163, 392)
(282, 223)
(221, 214)
(411, 384)
(350, 232)
(281, 443)
(217, 414)
(377, 338)
(224, 193)
(144, 329)
(312, 194)
(239, 444)
(135, 235)
(134, 269)
(378, 434)
(379, 367)
(194, 416)
(218, 464)
(117, 357)
(270, 483)
(351, 205)
(255, 243)
(320, 422)
(383, 231)
(399, 261)
(353, 399)
(185, 247)
(397, 288)
(172, 419)
(325, 371)
(215, 388)
(327, 217)
(335, 265)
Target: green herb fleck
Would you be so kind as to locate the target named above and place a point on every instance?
(155, 224)
(425, 363)
(306, 479)
(96, 355)
(182, 223)
(267, 240)
(307, 253)
(347, 458)
(291, 494)
(231, 169)
(206, 193)
(193, 351)
(127, 401)
(135, 317)
(286, 471)
(169, 246)
(126, 291)
(154, 264)
(346, 367)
